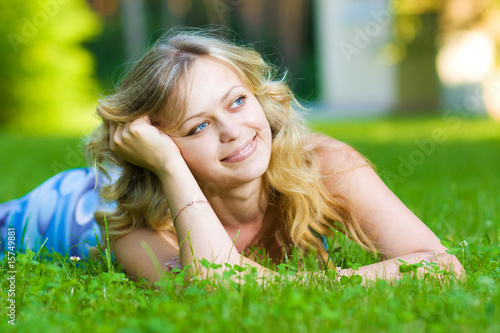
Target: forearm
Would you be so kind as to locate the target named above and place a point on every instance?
(199, 231)
(390, 269)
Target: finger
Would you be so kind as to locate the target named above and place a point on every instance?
(116, 139)
(140, 126)
(143, 120)
(111, 130)
(126, 132)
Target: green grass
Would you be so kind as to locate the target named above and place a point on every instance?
(454, 189)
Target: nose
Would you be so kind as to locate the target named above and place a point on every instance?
(229, 129)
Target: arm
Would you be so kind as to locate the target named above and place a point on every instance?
(397, 232)
(199, 231)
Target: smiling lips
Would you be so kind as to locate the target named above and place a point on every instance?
(242, 152)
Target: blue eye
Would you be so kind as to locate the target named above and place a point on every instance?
(238, 102)
(200, 127)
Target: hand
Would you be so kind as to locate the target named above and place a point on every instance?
(142, 144)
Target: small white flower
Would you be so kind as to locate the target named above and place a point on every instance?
(464, 243)
(339, 273)
(75, 258)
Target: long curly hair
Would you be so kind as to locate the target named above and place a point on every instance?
(292, 180)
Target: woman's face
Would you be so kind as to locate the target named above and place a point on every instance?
(225, 138)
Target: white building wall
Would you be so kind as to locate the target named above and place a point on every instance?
(355, 74)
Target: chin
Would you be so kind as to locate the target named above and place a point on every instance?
(254, 174)
(257, 170)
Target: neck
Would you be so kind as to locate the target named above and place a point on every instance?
(241, 205)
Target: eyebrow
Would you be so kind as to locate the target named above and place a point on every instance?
(199, 114)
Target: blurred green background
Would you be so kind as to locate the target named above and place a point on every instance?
(47, 80)
(57, 57)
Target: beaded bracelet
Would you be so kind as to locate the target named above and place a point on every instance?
(186, 206)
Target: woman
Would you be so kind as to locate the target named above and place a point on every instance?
(214, 159)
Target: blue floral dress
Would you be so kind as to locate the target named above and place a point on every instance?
(59, 212)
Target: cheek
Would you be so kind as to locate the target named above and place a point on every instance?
(264, 125)
(194, 154)
(199, 156)
(258, 117)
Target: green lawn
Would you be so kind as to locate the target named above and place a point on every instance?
(446, 170)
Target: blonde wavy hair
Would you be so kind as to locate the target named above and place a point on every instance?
(292, 180)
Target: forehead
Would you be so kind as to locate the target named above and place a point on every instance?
(208, 80)
(210, 68)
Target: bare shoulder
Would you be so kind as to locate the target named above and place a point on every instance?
(382, 216)
(132, 252)
(336, 157)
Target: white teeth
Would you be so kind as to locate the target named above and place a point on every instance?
(244, 150)
(241, 152)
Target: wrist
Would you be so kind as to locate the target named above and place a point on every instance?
(171, 166)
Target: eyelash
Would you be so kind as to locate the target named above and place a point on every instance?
(194, 130)
(242, 98)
